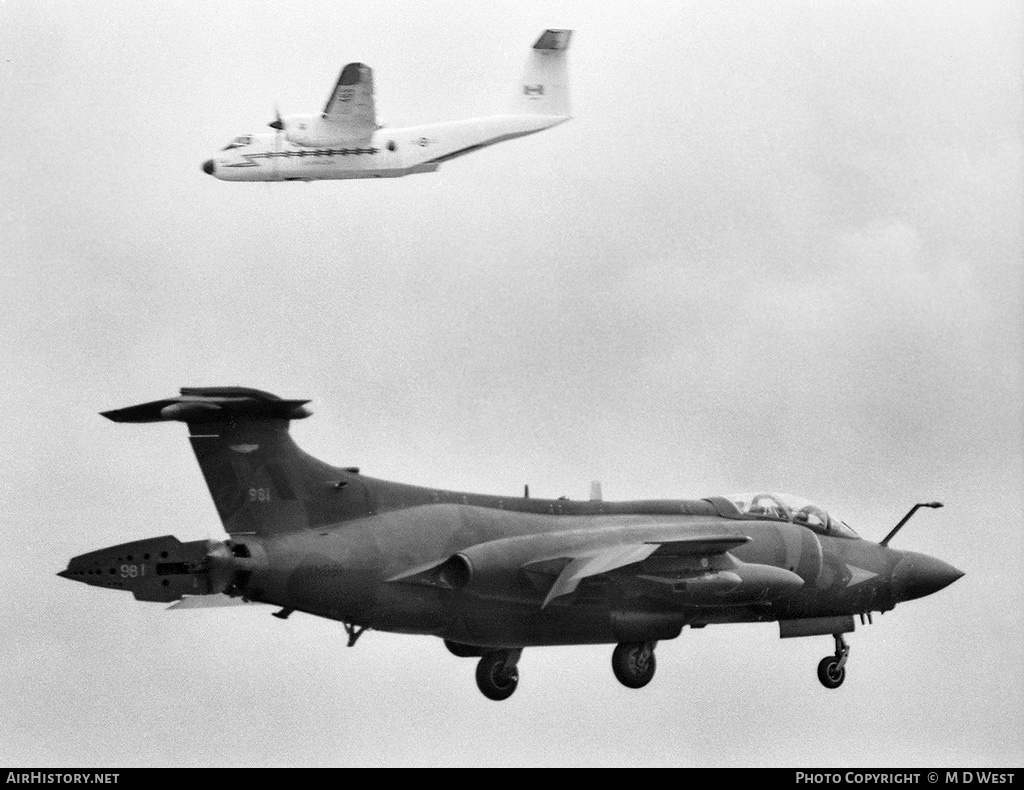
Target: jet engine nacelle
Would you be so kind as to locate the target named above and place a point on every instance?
(515, 570)
(521, 569)
(493, 570)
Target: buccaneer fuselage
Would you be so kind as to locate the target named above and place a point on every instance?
(494, 574)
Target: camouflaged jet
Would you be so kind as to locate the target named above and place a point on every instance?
(347, 141)
(491, 575)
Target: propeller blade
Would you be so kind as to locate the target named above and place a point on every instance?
(277, 123)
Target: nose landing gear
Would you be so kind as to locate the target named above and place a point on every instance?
(497, 675)
(832, 669)
(633, 663)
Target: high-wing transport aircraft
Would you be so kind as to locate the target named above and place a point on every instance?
(492, 575)
(346, 140)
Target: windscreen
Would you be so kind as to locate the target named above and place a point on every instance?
(786, 507)
(238, 142)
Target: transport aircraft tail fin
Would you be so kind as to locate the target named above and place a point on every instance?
(544, 89)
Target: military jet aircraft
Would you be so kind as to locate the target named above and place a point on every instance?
(346, 140)
(491, 575)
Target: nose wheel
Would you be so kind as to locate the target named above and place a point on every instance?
(633, 663)
(832, 669)
(497, 675)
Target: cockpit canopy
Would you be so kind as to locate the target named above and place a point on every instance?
(238, 142)
(786, 507)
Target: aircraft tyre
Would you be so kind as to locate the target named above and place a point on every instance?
(633, 663)
(830, 673)
(493, 677)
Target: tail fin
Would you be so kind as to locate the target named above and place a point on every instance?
(260, 481)
(351, 105)
(545, 85)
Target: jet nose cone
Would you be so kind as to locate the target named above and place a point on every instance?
(917, 575)
(208, 167)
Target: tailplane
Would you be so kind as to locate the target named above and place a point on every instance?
(261, 482)
(544, 89)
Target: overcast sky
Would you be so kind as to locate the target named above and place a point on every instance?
(779, 247)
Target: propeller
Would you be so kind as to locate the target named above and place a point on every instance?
(278, 125)
(278, 122)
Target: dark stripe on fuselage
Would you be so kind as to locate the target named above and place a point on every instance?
(312, 152)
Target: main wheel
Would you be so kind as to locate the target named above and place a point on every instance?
(830, 673)
(633, 664)
(493, 680)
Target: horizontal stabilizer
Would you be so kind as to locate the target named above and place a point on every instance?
(544, 88)
(213, 404)
(556, 40)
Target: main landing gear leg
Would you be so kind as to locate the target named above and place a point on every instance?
(832, 669)
(633, 663)
(497, 675)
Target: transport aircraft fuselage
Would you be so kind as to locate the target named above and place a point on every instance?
(346, 140)
(386, 153)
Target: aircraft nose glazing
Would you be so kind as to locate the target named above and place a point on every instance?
(917, 575)
(208, 167)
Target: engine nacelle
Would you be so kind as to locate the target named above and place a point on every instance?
(493, 570)
(312, 131)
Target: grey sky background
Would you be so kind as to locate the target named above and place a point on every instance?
(779, 247)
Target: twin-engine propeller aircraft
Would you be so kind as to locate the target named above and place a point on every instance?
(491, 575)
(346, 141)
